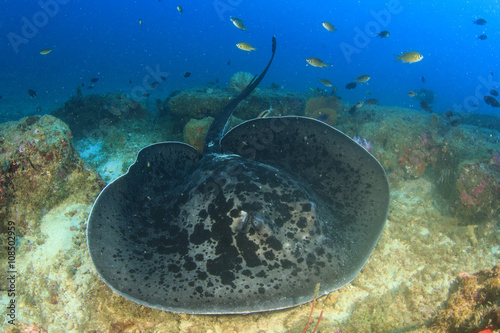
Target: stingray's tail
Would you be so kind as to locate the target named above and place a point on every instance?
(218, 127)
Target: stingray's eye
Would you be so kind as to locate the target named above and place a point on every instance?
(242, 223)
(259, 225)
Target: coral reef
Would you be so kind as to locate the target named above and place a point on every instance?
(93, 114)
(114, 140)
(490, 121)
(445, 173)
(426, 95)
(326, 107)
(363, 143)
(403, 287)
(197, 103)
(473, 304)
(412, 144)
(38, 168)
(240, 80)
(478, 191)
(391, 132)
(195, 132)
(418, 156)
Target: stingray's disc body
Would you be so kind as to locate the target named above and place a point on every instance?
(291, 202)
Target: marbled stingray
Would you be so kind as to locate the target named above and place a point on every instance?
(272, 207)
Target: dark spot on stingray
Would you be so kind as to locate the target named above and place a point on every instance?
(201, 275)
(287, 264)
(203, 214)
(261, 274)
(248, 250)
(274, 243)
(246, 272)
(174, 268)
(310, 259)
(269, 255)
(271, 208)
(199, 235)
(302, 223)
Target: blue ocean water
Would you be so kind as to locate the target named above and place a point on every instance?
(104, 40)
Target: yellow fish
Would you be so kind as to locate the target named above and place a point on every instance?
(45, 51)
(326, 82)
(140, 22)
(411, 94)
(238, 23)
(265, 113)
(410, 57)
(180, 10)
(363, 78)
(246, 47)
(328, 26)
(316, 62)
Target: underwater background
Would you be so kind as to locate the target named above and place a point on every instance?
(104, 40)
(84, 85)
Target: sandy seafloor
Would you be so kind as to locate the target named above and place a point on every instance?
(406, 279)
